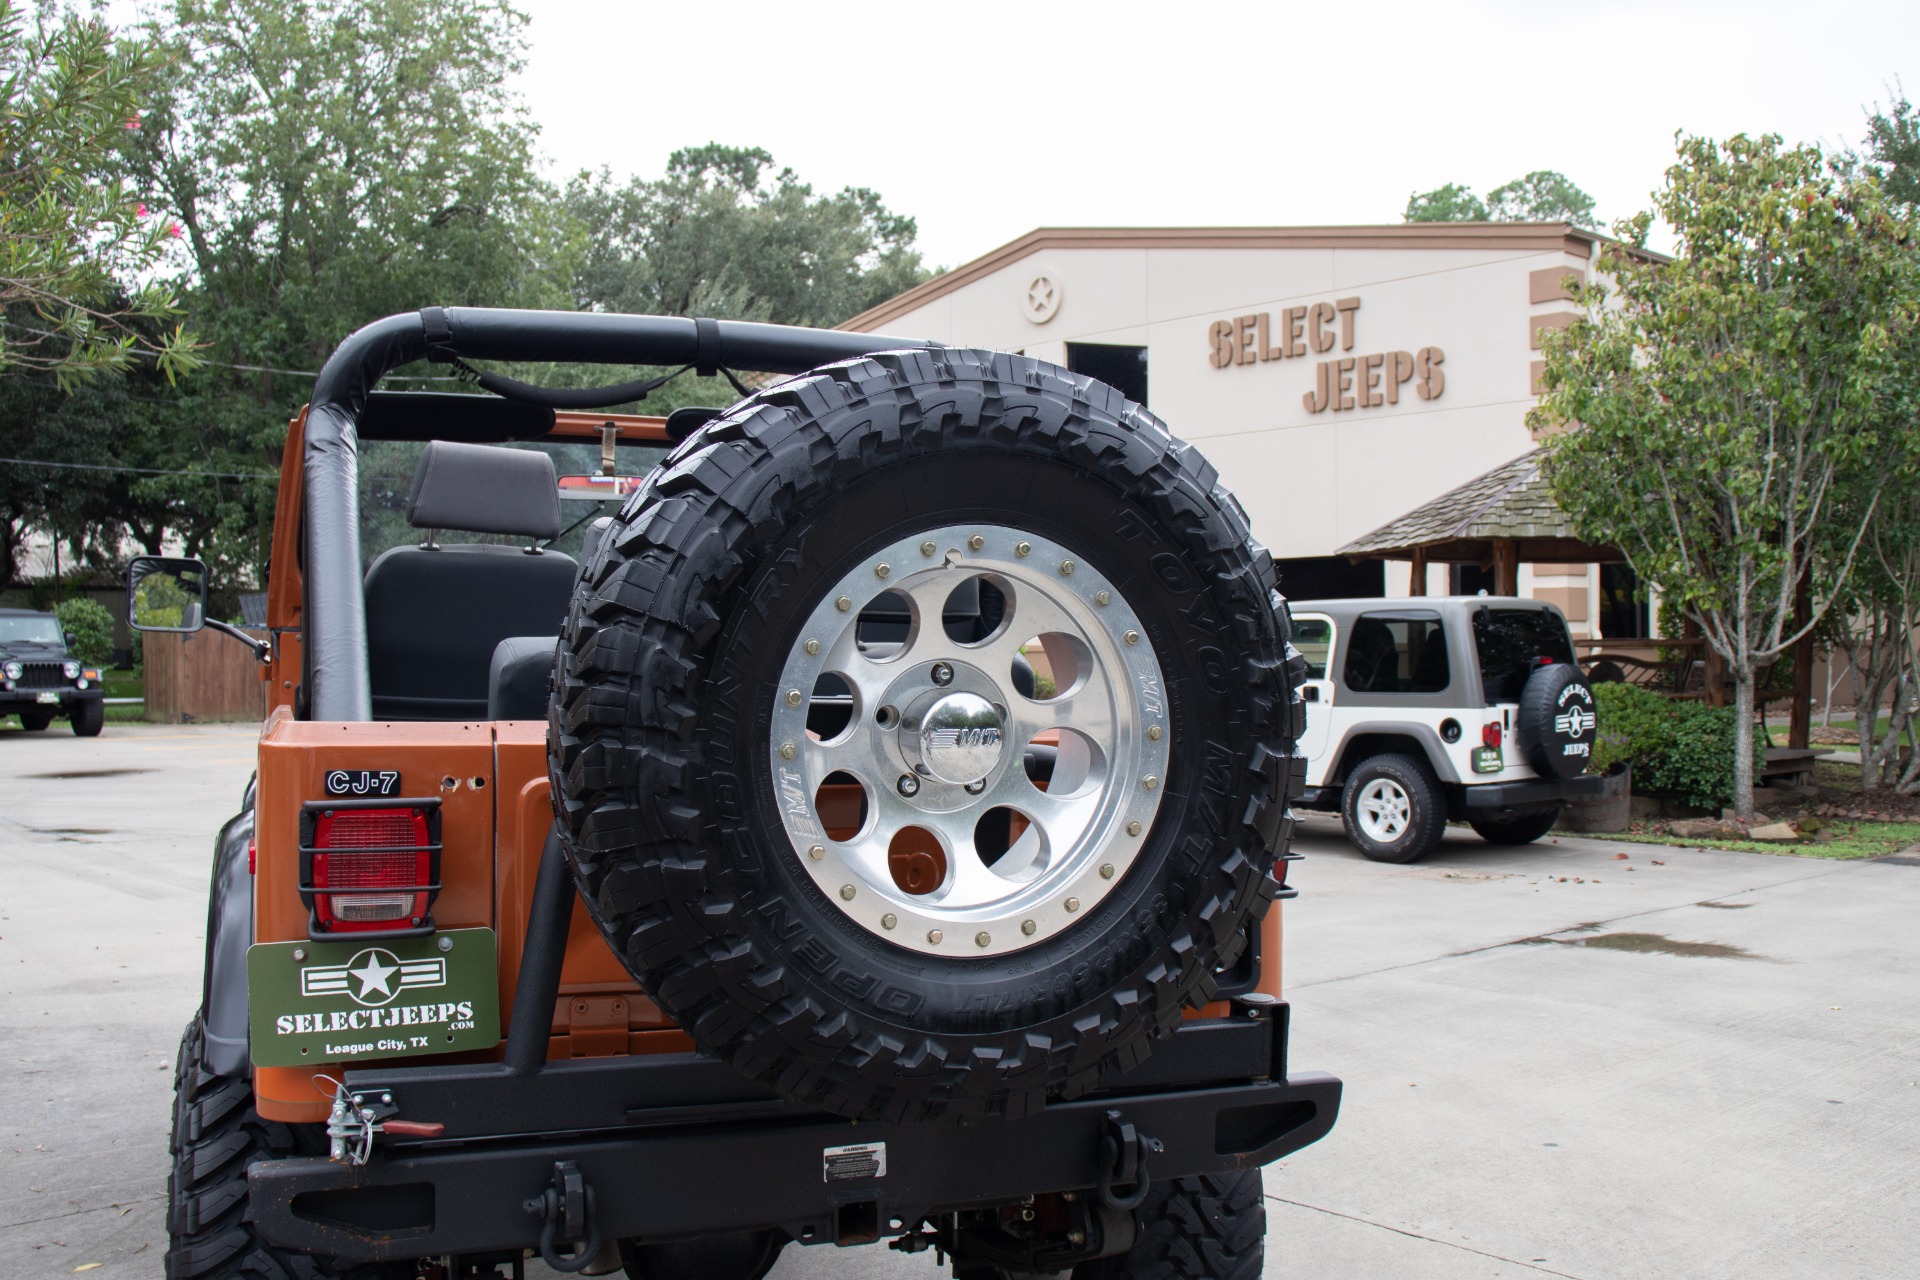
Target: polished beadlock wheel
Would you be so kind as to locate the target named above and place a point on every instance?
(1002, 780)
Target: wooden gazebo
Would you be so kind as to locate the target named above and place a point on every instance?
(1496, 521)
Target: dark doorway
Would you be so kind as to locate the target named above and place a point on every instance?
(1122, 368)
(1331, 578)
(1623, 608)
(1469, 580)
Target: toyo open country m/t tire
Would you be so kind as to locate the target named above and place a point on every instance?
(847, 829)
(1555, 721)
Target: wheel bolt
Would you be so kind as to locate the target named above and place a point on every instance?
(816, 852)
(1150, 782)
(793, 698)
(1066, 568)
(908, 785)
(1132, 637)
(813, 646)
(844, 603)
(1103, 597)
(1153, 733)
(1023, 548)
(982, 939)
(1106, 871)
(934, 936)
(1027, 927)
(942, 673)
(927, 548)
(1133, 828)
(1073, 904)
(889, 920)
(976, 542)
(846, 893)
(787, 751)
(882, 570)
(975, 788)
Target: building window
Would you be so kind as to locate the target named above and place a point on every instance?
(1122, 368)
(1623, 606)
(1469, 580)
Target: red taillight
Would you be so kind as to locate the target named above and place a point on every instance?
(1490, 735)
(370, 868)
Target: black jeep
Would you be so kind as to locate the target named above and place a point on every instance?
(38, 680)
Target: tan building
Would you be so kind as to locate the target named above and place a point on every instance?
(1339, 377)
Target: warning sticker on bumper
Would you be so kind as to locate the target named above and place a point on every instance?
(863, 1160)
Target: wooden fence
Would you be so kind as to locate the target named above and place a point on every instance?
(202, 676)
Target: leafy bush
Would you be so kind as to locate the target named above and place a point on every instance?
(1682, 750)
(90, 628)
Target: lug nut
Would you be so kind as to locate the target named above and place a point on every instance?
(934, 936)
(1150, 782)
(844, 603)
(927, 547)
(882, 569)
(1066, 568)
(1103, 597)
(908, 785)
(1153, 733)
(1106, 871)
(975, 788)
(889, 920)
(1027, 927)
(846, 893)
(816, 852)
(982, 939)
(1023, 548)
(1132, 637)
(976, 542)
(793, 698)
(787, 751)
(942, 673)
(1133, 828)
(1073, 904)
(813, 646)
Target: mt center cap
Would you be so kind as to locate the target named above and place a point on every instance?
(960, 738)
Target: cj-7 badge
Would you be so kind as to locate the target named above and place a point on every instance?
(362, 782)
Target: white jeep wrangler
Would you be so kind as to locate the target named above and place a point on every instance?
(1470, 708)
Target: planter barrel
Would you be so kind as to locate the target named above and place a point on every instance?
(1611, 810)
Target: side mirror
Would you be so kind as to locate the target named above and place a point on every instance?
(165, 594)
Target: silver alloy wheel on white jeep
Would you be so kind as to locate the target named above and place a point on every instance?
(1384, 810)
(936, 734)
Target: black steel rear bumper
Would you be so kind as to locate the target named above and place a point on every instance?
(679, 1144)
(1497, 798)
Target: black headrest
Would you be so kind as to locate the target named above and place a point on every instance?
(479, 488)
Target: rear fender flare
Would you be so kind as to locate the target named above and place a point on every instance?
(223, 999)
(1347, 758)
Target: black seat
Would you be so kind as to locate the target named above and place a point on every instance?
(522, 666)
(436, 614)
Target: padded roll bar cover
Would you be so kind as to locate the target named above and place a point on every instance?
(336, 615)
(482, 488)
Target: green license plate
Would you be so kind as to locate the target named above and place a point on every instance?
(315, 1002)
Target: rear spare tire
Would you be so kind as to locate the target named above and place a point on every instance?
(810, 805)
(1555, 722)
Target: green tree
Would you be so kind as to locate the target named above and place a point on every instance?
(73, 236)
(1893, 151)
(1732, 403)
(330, 162)
(1541, 196)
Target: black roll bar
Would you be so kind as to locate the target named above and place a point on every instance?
(336, 619)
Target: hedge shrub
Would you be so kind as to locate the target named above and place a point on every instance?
(89, 628)
(1681, 750)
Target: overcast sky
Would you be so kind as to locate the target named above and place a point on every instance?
(985, 119)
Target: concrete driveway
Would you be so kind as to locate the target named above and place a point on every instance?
(1681, 1064)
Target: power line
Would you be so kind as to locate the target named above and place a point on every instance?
(144, 471)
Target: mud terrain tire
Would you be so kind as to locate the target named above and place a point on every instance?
(216, 1135)
(1206, 1228)
(669, 676)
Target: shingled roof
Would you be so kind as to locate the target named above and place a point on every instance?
(1509, 503)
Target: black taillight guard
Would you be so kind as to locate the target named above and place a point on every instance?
(310, 814)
